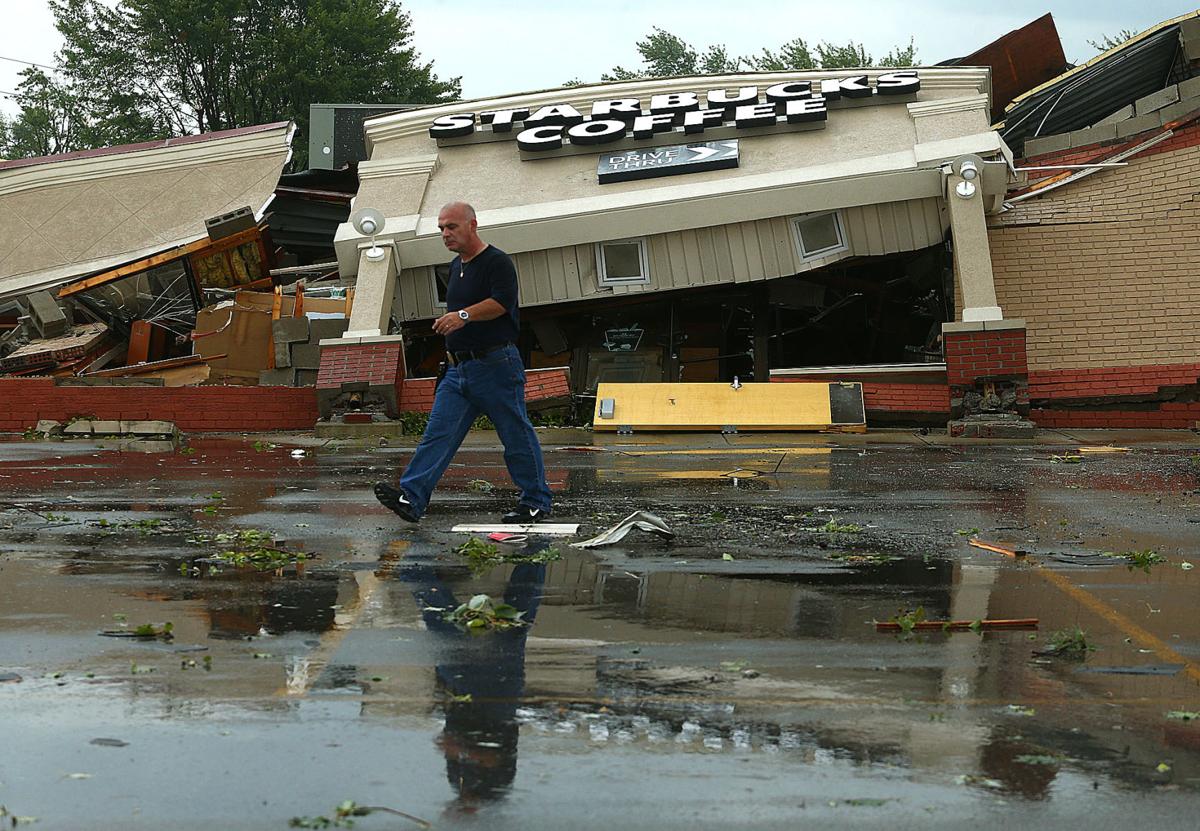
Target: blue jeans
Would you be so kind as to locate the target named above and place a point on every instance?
(495, 386)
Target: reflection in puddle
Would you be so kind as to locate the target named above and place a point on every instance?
(749, 638)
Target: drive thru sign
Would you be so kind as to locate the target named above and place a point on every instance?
(667, 161)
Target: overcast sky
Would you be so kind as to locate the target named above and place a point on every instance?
(517, 45)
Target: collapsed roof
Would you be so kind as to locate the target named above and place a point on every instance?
(76, 214)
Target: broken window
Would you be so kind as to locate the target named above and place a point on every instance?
(819, 235)
(622, 262)
(440, 274)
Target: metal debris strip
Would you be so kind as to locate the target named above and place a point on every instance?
(642, 520)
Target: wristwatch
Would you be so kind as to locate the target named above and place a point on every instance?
(464, 315)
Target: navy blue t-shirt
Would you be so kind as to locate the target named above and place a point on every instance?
(490, 274)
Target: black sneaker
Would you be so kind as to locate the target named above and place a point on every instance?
(395, 501)
(524, 515)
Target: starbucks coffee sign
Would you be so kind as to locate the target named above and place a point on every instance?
(555, 129)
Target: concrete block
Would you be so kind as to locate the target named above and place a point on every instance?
(1173, 112)
(49, 427)
(78, 428)
(306, 356)
(1094, 135)
(283, 355)
(326, 329)
(1189, 88)
(980, 427)
(149, 428)
(306, 377)
(1155, 101)
(1000, 325)
(290, 330)
(1047, 144)
(1120, 115)
(963, 326)
(150, 446)
(1138, 124)
(106, 428)
(277, 378)
(49, 320)
(374, 430)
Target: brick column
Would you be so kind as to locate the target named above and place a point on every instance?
(986, 367)
(372, 367)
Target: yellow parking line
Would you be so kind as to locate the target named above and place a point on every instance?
(1136, 633)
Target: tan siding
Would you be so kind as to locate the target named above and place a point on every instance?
(738, 253)
(855, 226)
(1104, 270)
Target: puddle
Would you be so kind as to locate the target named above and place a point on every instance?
(741, 655)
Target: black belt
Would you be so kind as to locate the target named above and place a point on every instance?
(456, 358)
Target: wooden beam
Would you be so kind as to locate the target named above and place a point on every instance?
(134, 267)
(206, 245)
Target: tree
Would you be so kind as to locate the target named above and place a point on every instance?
(1107, 42)
(665, 54)
(49, 120)
(792, 55)
(141, 69)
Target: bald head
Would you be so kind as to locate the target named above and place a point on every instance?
(458, 208)
(460, 231)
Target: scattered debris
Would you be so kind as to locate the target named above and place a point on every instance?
(1066, 459)
(343, 813)
(484, 556)
(1102, 449)
(1145, 669)
(480, 613)
(1184, 715)
(145, 632)
(249, 548)
(909, 623)
(835, 527)
(14, 819)
(872, 558)
(10, 678)
(642, 520)
(109, 743)
(480, 486)
(1067, 643)
(999, 549)
(1143, 560)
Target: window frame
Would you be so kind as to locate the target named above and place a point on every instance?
(433, 280)
(643, 260)
(843, 244)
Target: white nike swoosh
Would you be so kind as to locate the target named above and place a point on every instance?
(535, 511)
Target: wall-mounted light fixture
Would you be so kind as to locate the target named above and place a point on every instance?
(369, 222)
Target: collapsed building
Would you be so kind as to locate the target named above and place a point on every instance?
(878, 226)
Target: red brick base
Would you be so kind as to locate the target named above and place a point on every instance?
(1165, 396)
(986, 358)
(895, 398)
(192, 409)
(373, 370)
(416, 394)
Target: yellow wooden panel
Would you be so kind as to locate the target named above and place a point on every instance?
(762, 406)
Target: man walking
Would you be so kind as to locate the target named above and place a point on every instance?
(485, 375)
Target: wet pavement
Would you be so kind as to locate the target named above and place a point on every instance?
(732, 677)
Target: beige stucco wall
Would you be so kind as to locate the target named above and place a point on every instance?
(63, 219)
(887, 151)
(1105, 270)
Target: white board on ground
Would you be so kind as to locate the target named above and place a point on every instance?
(545, 529)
